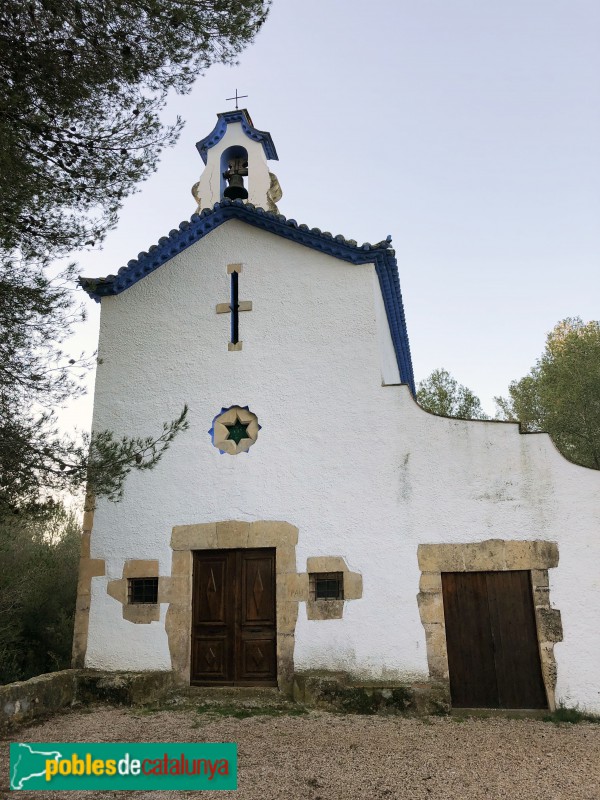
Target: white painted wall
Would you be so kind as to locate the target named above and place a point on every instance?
(360, 469)
(258, 180)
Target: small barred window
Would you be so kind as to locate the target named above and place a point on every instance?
(327, 585)
(142, 591)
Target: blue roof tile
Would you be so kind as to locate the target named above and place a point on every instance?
(240, 115)
(381, 254)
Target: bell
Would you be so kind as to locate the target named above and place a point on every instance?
(236, 188)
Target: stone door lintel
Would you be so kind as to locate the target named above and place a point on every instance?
(535, 556)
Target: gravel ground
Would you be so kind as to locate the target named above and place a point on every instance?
(321, 756)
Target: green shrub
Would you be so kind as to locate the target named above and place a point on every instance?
(38, 588)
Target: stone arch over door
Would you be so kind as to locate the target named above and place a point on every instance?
(492, 555)
(177, 589)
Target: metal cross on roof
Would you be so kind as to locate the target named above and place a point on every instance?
(236, 98)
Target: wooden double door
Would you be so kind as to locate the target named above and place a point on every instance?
(233, 618)
(491, 635)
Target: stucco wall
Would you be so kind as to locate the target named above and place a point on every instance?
(356, 466)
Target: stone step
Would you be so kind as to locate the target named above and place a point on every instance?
(226, 695)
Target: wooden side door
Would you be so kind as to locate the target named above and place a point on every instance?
(516, 649)
(491, 637)
(469, 640)
(233, 618)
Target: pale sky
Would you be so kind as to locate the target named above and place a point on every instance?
(466, 129)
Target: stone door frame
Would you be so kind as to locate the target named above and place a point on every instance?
(491, 555)
(290, 587)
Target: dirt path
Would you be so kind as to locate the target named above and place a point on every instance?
(321, 756)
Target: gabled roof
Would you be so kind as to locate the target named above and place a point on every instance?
(239, 115)
(381, 254)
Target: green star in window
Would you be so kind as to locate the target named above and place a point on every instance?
(238, 431)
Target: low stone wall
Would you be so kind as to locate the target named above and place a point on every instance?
(122, 688)
(44, 695)
(38, 697)
(337, 692)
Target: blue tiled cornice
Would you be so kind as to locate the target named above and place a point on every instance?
(382, 255)
(241, 115)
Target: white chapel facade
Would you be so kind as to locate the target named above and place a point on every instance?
(313, 517)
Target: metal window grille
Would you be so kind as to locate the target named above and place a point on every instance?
(142, 590)
(327, 585)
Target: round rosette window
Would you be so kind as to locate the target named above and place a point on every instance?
(234, 430)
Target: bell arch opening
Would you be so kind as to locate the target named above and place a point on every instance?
(234, 173)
